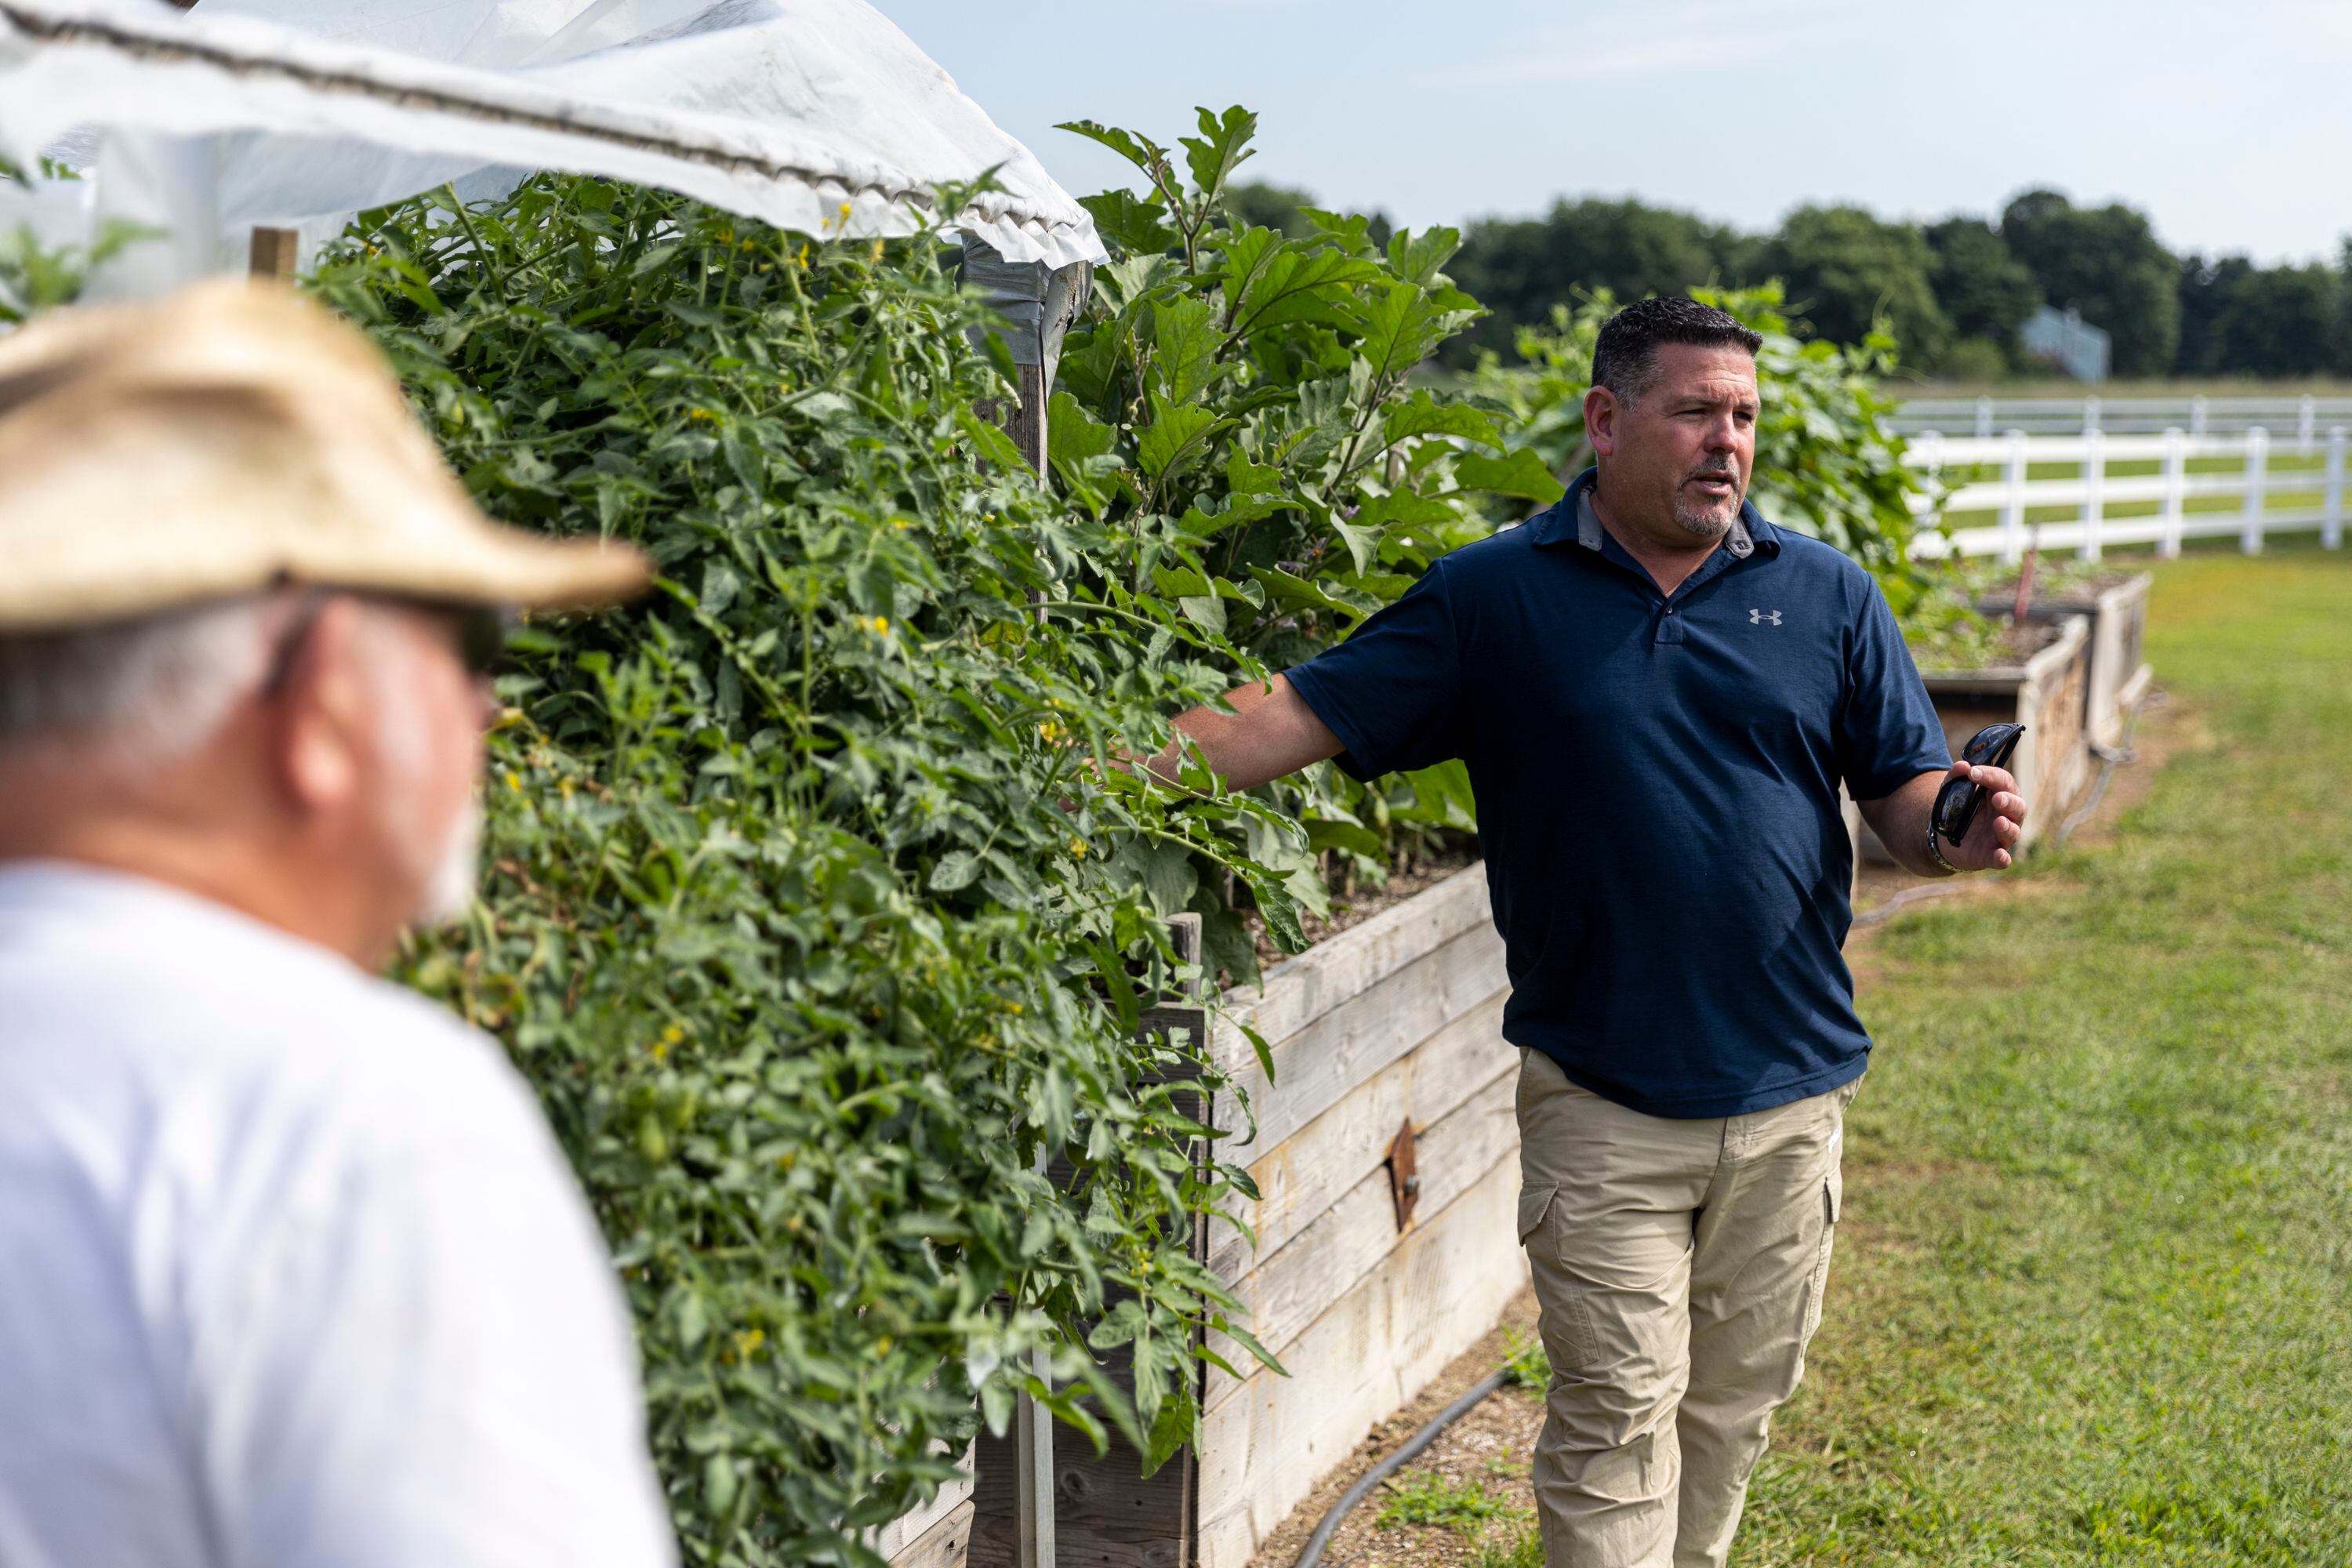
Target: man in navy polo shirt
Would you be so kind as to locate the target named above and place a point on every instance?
(1657, 694)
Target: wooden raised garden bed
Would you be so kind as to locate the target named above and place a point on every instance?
(1389, 1064)
(2048, 693)
(2117, 606)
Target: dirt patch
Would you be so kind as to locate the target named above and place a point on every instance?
(1491, 1446)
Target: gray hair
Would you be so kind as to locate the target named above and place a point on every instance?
(135, 693)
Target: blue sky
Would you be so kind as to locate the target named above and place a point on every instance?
(2230, 124)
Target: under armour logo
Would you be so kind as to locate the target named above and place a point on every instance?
(1757, 617)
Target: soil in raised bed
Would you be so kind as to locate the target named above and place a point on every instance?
(2013, 643)
(1355, 908)
(2059, 587)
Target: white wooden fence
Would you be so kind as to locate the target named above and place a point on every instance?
(2128, 489)
(1985, 418)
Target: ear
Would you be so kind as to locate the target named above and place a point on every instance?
(1601, 411)
(319, 722)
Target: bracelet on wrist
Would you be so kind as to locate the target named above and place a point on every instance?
(1936, 851)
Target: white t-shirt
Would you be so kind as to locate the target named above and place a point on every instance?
(291, 1271)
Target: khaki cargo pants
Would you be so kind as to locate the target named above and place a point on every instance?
(1679, 1267)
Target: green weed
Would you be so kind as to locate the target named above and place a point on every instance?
(1525, 1362)
(1428, 1498)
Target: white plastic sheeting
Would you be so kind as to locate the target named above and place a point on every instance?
(813, 115)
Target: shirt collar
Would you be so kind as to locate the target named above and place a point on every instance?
(1571, 517)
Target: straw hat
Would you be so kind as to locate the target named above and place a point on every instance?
(234, 436)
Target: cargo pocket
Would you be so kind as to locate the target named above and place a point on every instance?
(1534, 1201)
(1833, 1196)
(1566, 1316)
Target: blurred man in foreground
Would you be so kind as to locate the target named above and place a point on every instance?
(295, 1273)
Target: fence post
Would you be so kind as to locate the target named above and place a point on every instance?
(2090, 416)
(2331, 533)
(2095, 478)
(2306, 422)
(2258, 460)
(1984, 418)
(2176, 472)
(2012, 516)
(2197, 416)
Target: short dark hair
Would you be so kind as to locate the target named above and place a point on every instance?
(1625, 360)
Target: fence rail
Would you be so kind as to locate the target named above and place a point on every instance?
(1986, 417)
(2001, 495)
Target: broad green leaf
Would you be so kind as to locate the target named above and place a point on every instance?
(1416, 258)
(1138, 226)
(1520, 473)
(1239, 509)
(1346, 835)
(1207, 612)
(1299, 284)
(1293, 591)
(1222, 147)
(1363, 540)
(1398, 326)
(1141, 150)
(1424, 414)
(1185, 341)
(1351, 232)
(1177, 439)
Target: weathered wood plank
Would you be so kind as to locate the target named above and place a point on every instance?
(1309, 1172)
(901, 1532)
(1436, 1295)
(1316, 1066)
(1296, 993)
(1293, 1288)
(946, 1545)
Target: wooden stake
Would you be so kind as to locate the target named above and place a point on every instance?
(276, 253)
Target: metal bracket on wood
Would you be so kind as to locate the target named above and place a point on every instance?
(1404, 1180)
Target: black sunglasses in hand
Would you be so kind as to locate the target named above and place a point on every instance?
(1958, 802)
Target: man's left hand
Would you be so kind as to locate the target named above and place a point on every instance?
(1991, 841)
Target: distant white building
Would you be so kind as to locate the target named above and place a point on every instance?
(2063, 339)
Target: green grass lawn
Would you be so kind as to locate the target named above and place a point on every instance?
(2093, 1302)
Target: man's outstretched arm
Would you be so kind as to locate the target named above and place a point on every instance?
(1270, 732)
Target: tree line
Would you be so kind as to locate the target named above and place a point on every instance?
(1957, 292)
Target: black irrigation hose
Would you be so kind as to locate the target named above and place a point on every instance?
(1313, 1554)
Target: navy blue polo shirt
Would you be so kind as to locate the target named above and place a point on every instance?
(1657, 786)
